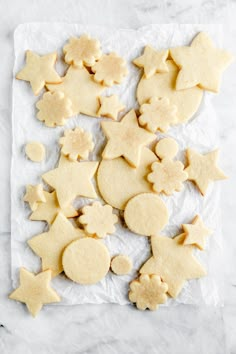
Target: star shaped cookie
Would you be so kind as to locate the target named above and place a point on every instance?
(196, 233)
(110, 106)
(202, 169)
(152, 61)
(39, 70)
(35, 290)
(126, 138)
(173, 262)
(71, 179)
(34, 196)
(201, 64)
(50, 245)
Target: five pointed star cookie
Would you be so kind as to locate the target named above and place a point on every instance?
(201, 64)
(39, 70)
(34, 195)
(50, 245)
(173, 262)
(125, 138)
(110, 106)
(196, 233)
(152, 61)
(35, 290)
(202, 169)
(49, 210)
(71, 179)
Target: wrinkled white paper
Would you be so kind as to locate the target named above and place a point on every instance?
(200, 133)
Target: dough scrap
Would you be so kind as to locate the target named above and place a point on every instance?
(35, 290)
(39, 70)
(201, 64)
(148, 292)
(163, 85)
(34, 195)
(98, 219)
(121, 264)
(50, 245)
(146, 214)
(196, 233)
(152, 61)
(166, 147)
(110, 106)
(35, 151)
(125, 138)
(173, 262)
(86, 261)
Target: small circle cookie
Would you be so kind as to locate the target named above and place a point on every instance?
(35, 151)
(121, 264)
(86, 261)
(146, 214)
(166, 147)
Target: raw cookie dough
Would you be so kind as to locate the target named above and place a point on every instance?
(121, 264)
(196, 233)
(110, 107)
(166, 147)
(152, 61)
(146, 214)
(86, 261)
(34, 196)
(35, 151)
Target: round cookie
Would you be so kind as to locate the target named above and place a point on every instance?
(146, 214)
(163, 85)
(35, 151)
(86, 261)
(166, 148)
(121, 265)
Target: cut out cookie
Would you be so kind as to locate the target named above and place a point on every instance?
(200, 64)
(72, 179)
(35, 290)
(173, 262)
(152, 61)
(78, 85)
(39, 70)
(125, 138)
(146, 214)
(196, 233)
(34, 195)
(50, 245)
(98, 219)
(158, 114)
(86, 261)
(48, 210)
(110, 69)
(76, 144)
(148, 292)
(35, 151)
(203, 169)
(54, 108)
(121, 265)
(166, 148)
(110, 106)
(118, 181)
(82, 51)
(163, 85)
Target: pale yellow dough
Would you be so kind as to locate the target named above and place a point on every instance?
(86, 261)
(110, 107)
(121, 265)
(35, 151)
(152, 61)
(34, 196)
(196, 233)
(166, 147)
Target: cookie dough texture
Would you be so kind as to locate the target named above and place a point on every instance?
(166, 147)
(121, 264)
(35, 151)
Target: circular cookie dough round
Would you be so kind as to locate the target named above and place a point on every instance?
(166, 148)
(121, 265)
(146, 214)
(86, 261)
(163, 85)
(35, 151)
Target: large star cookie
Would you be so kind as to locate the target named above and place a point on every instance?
(196, 233)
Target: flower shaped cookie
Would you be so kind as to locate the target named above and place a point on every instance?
(98, 219)
(110, 69)
(148, 291)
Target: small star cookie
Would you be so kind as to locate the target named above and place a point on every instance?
(121, 264)
(173, 262)
(76, 144)
(125, 138)
(152, 61)
(148, 292)
(157, 114)
(82, 51)
(110, 69)
(98, 219)
(35, 290)
(203, 169)
(39, 70)
(201, 64)
(34, 195)
(35, 151)
(196, 233)
(110, 106)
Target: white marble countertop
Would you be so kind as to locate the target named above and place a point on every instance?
(111, 328)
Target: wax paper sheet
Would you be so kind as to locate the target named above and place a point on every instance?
(200, 133)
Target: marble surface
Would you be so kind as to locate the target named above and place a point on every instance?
(111, 328)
